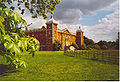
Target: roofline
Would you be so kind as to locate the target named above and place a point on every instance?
(67, 33)
(51, 23)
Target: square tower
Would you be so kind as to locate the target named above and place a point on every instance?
(51, 33)
(79, 37)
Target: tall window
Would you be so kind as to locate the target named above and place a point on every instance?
(49, 32)
(41, 34)
(49, 26)
(32, 34)
(49, 41)
(49, 48)
(37, 35)
(55, 32)
(66, 36)
(41, 41)
(55, 26)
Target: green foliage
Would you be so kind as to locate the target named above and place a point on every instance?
(109, 45)
(89, 47)
(88, 41)
(104, 45)
(75, 45)
(96, 47)
(101, 43)
(36, 7)
(117, 44)
(93, 47)
(12, 41)
(57, 45)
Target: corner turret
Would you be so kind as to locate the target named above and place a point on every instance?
(79, 37)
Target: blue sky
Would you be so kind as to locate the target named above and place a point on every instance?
(90, 20)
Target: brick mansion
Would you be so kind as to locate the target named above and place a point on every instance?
(49, 34)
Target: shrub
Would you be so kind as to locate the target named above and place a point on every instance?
(75, 45)
(57, 46)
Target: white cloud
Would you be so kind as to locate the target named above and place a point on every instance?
(78, 8)
(112, 6)
(106, 30)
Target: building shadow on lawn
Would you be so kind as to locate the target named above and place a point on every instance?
(5, 70)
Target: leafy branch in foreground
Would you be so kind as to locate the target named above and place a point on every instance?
(36, 7)
(12, 40)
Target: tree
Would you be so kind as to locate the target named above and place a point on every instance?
(75, 45)
(57, 45)
(117, 44)
(104, 47)
(101, 43)
(96, 46)
(88, 41)
(12, 40)
(89, 47)
(36, 7)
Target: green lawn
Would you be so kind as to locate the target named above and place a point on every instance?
(51, 66)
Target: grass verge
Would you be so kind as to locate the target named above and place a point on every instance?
(55, 66)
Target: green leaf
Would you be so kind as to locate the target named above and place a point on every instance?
(16, 66)
(17, 49)
(3, 31)
(6, 10)
(21, 63)
(33, 48)
(24, 64)
(1, 24)
(16, 17)
(19, 43)
(24, 22)
(11, 13)
(5, 44)
(7, 37)
(9, 46)
(2, 19)
(0, 35)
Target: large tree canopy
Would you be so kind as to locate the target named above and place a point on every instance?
(12, 39)
(36, 7)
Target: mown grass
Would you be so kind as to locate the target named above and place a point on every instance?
(54, 66)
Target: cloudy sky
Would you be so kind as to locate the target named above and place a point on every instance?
(97, 18)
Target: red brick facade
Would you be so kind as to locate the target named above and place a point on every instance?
(47, 36)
